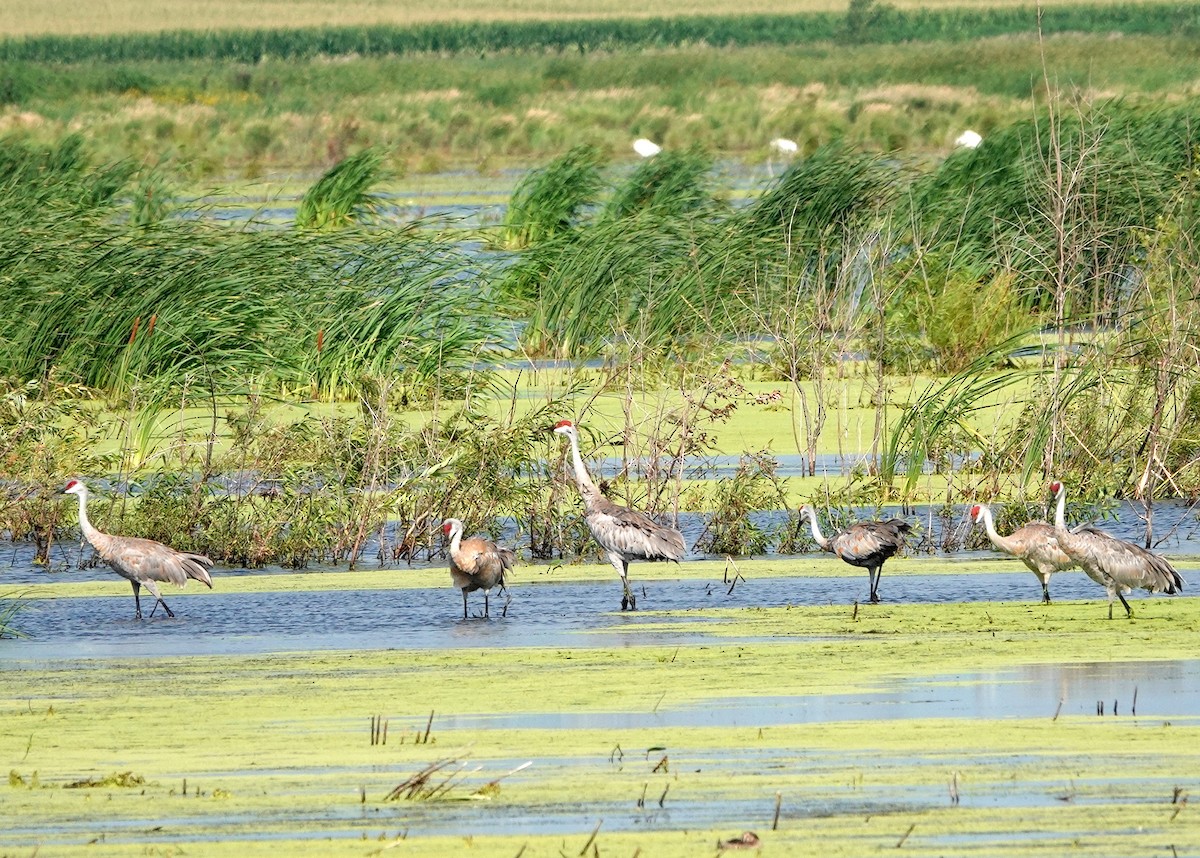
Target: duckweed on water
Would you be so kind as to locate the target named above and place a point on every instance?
(273, 753)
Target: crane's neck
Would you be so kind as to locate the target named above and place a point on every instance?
(989, 526)
(586, 487)
(1060, 512)
(90, 533)
(455, 540)
(816, 530)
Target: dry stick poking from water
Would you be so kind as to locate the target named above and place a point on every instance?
(778, 803)
(900, 842)
(854, 616)
(736, 575)
(654, 711)
(641, 802)
(954, 789)
(662, 764)
(1180, 802)
(617, 755)
(1133, 710)
(595, 831)
(417, 786)
(428, 727)
(663, 797)
(491, 786)
(521, 851)
(1059, 709)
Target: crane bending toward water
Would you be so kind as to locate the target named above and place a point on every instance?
(866, 544)
(143, 562)
(476, 564)
(624, 534)
(1118, 566)
(1034, 544)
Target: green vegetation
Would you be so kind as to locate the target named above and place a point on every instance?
(1096, 785)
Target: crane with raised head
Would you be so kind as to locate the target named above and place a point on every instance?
(1115, 564)
(625, 534)
(1034, 544)
(143, 562)
(476, 564)
(866, 544)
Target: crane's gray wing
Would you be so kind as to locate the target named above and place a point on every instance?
(871, 540)
(1038, 544)
(148, 560)
(634, 534)
(1130, 565)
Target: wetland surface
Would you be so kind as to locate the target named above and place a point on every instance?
(958, 717)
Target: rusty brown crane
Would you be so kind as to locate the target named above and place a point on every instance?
(1034, 544)
(1116, 565)
(476, 564)
(866, 544)
(143, 562)
(624, 534)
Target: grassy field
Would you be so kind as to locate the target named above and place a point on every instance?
(29, 17)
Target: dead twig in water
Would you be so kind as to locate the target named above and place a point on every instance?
(900, 842)
(663, 797)
(417, 786)
(662, 764)
(778, 804)
(595, 831)
(954, 789)
(1059, 709)
(736, 575)
(1133, 709)
(654, 711)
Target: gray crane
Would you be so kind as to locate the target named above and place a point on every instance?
(476, 564)
(624, 534)
(143, 562)
(1034, 544)
(866, 544)
(1116, 565)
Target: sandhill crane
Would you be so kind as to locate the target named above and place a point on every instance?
(1115, 564)
(476, 564)
(625, 534)
(143, 562)
(646, 148)
(865, 544)
(1034, 544)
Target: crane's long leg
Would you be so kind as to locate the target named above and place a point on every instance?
(628, 600)
(485, 603)
(1128, 610)
(464, 589)
(158, 600)
(137, 600)
(874, 576)
(1046, 590)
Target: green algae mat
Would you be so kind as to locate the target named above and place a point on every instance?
(832, 730)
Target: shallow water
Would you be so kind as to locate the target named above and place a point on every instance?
(577, 614)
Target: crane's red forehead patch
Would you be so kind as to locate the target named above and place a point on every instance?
(446, 527)
(974, 512)
(1055, 486)
(562, 423)
(70, 485)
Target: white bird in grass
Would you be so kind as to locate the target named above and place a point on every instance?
(624, 534)
(968, 139)
(476, 564)
(143, 562)
(1113, 563)
(1034, 544)
(646, 148)
(866, 544)
(784, 146)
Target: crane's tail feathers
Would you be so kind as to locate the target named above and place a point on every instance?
(196, 566)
